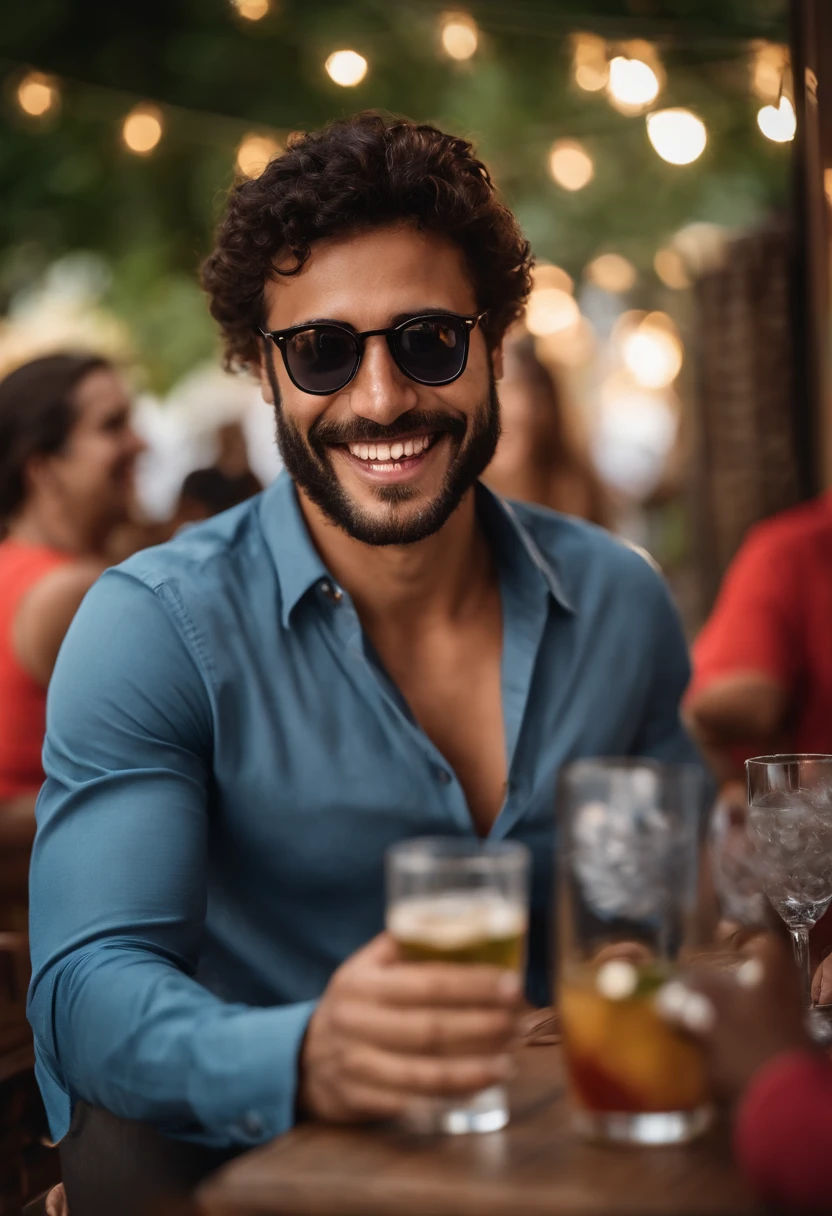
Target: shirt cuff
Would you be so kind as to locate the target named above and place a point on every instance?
(249, 1095)
(783, 1132)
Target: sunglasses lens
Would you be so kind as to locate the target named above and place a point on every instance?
(322, 360)
(432, 350)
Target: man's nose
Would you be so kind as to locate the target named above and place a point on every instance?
(380, 391)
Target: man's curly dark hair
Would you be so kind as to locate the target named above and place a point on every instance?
(352, 175)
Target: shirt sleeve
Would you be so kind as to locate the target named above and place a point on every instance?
(783, 1133)
(118, 891)
(752, 626)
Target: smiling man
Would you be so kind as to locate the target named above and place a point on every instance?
(243, 720)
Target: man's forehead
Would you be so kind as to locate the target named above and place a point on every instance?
(348, 278)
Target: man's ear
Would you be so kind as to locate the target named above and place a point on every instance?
(262, 374)
(497, 361)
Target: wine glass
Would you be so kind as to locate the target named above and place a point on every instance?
(790, 827)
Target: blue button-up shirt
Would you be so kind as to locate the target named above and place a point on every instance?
(226, 765)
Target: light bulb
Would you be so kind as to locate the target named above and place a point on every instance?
(346, 68)
(678, 136)
(570, 165)
(460, 35)
(142, 129)
(778, 123)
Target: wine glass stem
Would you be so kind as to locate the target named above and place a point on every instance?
(800, 942)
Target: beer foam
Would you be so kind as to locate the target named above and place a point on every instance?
(451, 922)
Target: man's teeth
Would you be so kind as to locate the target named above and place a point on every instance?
(383, 453)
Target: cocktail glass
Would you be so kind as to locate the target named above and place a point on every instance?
(628, 853)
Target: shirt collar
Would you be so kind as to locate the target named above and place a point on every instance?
(518, 554)
(299, 565)
(296, 559)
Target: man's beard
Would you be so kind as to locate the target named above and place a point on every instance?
(309, 463)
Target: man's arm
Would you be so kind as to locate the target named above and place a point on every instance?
(118, 890)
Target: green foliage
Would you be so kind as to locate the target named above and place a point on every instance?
(67, 183)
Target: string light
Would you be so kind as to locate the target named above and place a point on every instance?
(653, 352)
(778, 123)
(633, 84)
(251, 10)
(670, 268)
(255, 152)
(37, 94)
(460, 35)
(678, 136)
(346, 68)
(550, 310)
(142, 129)
(612, 272)
(589, 59)
(570, 165)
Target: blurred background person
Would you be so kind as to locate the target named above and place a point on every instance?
(541, 456)
(763, 661)
(67, 454)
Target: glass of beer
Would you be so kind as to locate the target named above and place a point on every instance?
(628, 846)
(452, 900)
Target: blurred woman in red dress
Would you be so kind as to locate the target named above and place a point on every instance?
(67, 453)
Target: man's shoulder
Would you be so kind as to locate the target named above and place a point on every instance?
(202, 553)
(578, 549)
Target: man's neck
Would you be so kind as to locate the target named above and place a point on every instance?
(440, 578)
(41, 524)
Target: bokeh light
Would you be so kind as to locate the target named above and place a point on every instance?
(545, 274)
(669, 266)
(633, 84)
(550, 310)
(611, 272)
(678, 136)
(142, 129)
(37, 94)
(255, 152)
(653, 351)
(346, 68)
(459, 35)
(251, 10)
(778, 123)
(769, 62)
(570, 165)
(589, 59)
(572, 347)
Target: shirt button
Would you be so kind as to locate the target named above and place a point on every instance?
(443, 776)
(332, 592)
(253, 1124)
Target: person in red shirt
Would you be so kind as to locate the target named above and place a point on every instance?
(763, 662)
(751, 1025)
(67, 453)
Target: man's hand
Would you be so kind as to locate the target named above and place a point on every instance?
(387, 1032)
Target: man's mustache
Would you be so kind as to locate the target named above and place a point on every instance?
(363, 430)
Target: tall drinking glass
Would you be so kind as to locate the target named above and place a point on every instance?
(451, 900)
(790, 824)
(628, 852)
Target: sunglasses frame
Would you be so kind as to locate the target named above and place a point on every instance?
(281, 336)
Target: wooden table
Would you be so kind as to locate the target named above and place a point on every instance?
(536, 1167)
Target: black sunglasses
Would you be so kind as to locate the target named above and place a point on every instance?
(322, 358)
